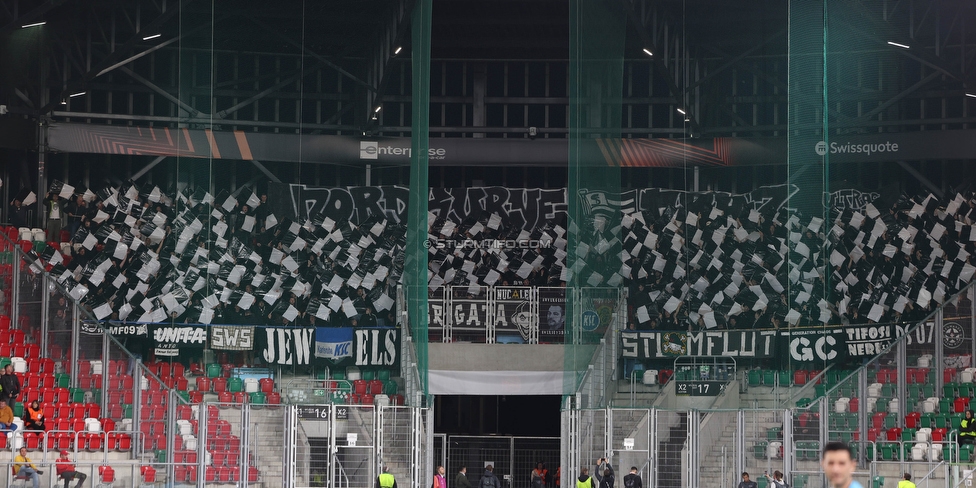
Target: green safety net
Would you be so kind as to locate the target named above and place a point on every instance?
(597, 39)
(838, 57)
(415, 266)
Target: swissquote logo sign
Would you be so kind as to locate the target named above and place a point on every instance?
(373, 150)
(847, 148)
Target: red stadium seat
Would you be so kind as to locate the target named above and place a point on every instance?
(266, 385)
(203, 384)
(148, 474)
(107, 474)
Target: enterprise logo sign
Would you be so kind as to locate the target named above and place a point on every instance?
(848, 148)
(373, 150)
(368, 149)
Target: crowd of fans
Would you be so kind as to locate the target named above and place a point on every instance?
(717, 263)
(142, 256)
(146, 257)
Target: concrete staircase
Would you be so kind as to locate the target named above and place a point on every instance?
(267, 445)
(713, 472)
(669, 457)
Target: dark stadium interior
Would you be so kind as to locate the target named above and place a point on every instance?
(266, 244)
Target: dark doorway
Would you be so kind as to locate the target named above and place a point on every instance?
(497, 415)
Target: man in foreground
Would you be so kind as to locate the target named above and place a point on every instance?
(838, 464)
(24, 468)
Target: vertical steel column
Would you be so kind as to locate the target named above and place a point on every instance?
(45, 301)
(825, 426)
(171, 425)
(106, 362)
(788, 444)
(862, 407)
(246, 441)
(428, 449)
(938, 361)
(74, 358)
(202, 445)
(901, 361)
(740, 441)
(136, 403)
(694, 427)
(15, 292)
(652, 448)
(288, 461)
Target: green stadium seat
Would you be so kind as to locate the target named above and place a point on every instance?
(773, 433)
(820, 390)
(949, 452)
(759, 450)
(945, 405)
(4, 362)
(908, 435)
(769, 377)
(235, 384)
(928, 420)
(966, 390)
(888, 390)
(320, 375)
(914, 392)
(369, 375)
(127, 411)
(889, 452)
(800, 480)
(881, 405)
(755, 377)
(761, 482)
(785, 378)
(62, 380)
(928, 390)
(941, 421)
(955, 421)
(76, 395)
(338, 375)
(18, 409)
(846, 437)
(877, 482)
(214, 370)
(384, 375)
(258, 398)
(966, 453)
(949, 391)
(390, 388)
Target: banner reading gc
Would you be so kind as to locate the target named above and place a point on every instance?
(737, 343)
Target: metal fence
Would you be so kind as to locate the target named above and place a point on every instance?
(513, 458)
(126, 422)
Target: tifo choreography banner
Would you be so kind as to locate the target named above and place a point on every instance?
(659, 152)
(804, 345)
(525, 208)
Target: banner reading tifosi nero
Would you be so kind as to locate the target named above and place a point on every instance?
(670, 344)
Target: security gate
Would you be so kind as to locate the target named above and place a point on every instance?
(513, 458)
(345, 446)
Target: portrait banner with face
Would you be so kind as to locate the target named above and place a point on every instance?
(552, 315)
